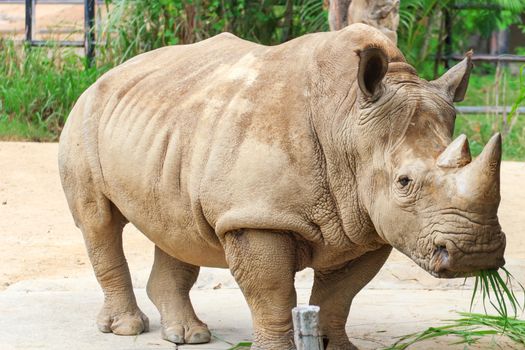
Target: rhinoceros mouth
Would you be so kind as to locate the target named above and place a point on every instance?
(451, 264)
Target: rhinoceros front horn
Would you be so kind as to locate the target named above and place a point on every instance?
(489, 160)
(483, 174)
(456, 155)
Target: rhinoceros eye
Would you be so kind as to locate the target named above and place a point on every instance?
(404, 180)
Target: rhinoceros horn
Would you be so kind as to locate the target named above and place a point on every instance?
(456, 155)
(489, 161)
(455, 80)
(482, 176)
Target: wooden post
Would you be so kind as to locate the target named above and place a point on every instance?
(306, 328)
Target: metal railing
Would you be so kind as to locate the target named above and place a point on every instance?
(89, 34)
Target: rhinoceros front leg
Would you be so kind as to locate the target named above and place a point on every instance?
(168, 288)
(264, 265)
(333, 292)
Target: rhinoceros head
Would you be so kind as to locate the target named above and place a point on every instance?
(425, 194)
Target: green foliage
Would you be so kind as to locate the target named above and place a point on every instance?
(38, 87)
(479, 129)
(421, 30)
(417, 34)
(241, 346)
(138, 26)
(484, 90)
(485, 16)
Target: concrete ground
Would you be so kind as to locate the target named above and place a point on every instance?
(49, 297)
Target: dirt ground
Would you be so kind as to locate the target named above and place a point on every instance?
(43, 252)
(52, 21)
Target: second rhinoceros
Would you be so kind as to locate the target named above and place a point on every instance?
(323, 152)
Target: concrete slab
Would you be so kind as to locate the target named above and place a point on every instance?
(66, 319)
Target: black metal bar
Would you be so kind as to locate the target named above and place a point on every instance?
(56, 43)
(89, 33)
(29, 20)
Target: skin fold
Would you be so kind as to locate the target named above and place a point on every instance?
(323, 152)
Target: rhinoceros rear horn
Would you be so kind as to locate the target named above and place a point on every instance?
(455, 80)
(456, 155)
(373, 64)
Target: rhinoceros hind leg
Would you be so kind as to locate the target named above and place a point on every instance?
(168, 288)
(264, 264)
(101, 224)
(333, 292)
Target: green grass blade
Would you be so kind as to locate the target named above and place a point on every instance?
(501, 308)
(508, 293)
(476, 282)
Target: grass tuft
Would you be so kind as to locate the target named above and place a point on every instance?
(241, 346)
(470, 327)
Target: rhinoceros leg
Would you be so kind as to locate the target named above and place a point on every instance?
(101, 224)
(168, 288)
(333, 292)
(264, 265)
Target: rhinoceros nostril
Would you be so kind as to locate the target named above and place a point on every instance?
(441, 259)
(441, 249)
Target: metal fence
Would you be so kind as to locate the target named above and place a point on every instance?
(89, 22)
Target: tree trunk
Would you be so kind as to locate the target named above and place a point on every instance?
(382, 14)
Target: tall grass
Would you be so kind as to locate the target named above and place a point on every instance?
(136, 26)
(38, 87)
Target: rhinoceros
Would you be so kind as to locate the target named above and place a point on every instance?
(322, 152)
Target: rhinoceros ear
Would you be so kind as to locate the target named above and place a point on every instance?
(455, 80)
(373, 64)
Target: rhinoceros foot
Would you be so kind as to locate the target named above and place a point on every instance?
(127, 323)
(186, 334)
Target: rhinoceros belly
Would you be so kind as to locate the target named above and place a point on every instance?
(146, 183)
(153, 146)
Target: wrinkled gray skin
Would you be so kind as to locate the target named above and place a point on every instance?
(323, 152)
